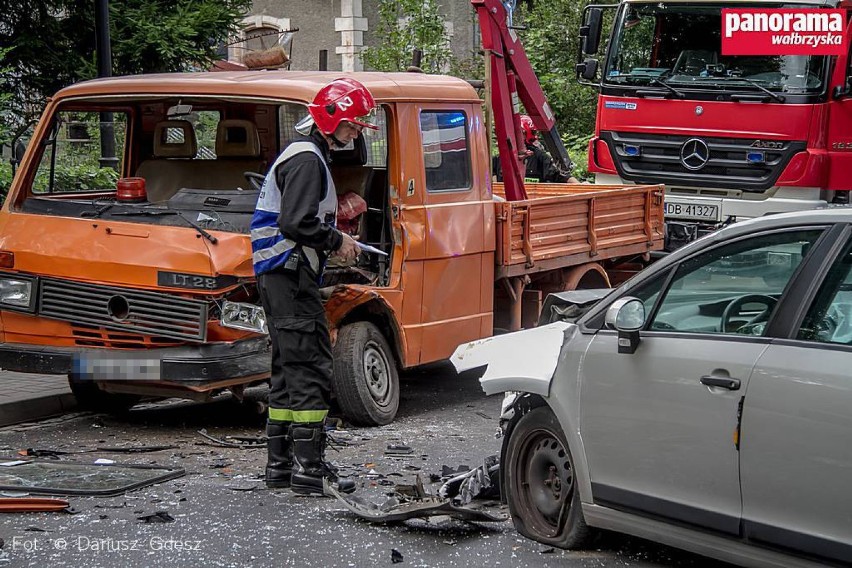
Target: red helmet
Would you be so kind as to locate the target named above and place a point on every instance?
(342, 99)
(529, 129)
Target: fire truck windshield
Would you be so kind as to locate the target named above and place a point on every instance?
(679, 44)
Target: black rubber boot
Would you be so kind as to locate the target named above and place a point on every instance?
(279, 450)
(309, 465)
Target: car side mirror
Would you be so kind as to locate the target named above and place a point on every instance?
(627, 316)
(588, 69)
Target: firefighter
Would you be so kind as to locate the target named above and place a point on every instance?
(292, 234)
(539, 166)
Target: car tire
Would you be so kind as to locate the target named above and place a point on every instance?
(540, 483)
(366, 381)
(90, 397)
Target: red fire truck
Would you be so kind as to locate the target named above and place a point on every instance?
(732, 137)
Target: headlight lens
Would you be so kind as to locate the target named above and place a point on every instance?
(244, 316)
(15, 292)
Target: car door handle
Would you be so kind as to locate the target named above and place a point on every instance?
(721, 382)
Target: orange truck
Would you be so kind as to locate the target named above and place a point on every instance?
(138, 282)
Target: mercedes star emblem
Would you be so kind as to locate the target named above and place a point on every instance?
(694, 154)
(699, 110)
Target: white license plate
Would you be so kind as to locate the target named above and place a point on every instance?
(692, 210)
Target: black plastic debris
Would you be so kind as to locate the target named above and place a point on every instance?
(398, 450)
(158, 517)
(134, 449)
(396, 556)
(240, 442)
(550, 550)
(482, 414)
(447, 471)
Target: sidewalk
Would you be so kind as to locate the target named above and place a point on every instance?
(25, 397)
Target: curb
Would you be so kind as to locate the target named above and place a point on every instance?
(31, 409)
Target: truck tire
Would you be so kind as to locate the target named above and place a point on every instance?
(366, 381)
(90, 397)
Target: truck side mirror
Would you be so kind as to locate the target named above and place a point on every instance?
(844, 91)
(627, 316)
(587, 69)
(590, 31)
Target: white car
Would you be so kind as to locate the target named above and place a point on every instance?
(705, 404)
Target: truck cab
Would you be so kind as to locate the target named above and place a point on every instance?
(125, 260)
(731, 136)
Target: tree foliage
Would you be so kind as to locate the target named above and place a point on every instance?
(550, 41)
(403, 26)
(51, 43)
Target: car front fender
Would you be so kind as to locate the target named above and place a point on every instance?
(520, 361)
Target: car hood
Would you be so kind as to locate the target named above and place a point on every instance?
(520, 361)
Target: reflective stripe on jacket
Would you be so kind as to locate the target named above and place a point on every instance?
(270, 249)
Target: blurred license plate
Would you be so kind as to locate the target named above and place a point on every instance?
(692, 210)
(116, 367)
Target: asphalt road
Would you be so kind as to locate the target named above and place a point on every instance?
(224, 516)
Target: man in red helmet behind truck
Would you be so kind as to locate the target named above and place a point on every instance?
(292, 234)
(539, 166)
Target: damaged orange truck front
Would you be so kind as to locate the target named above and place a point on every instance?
(132, 273)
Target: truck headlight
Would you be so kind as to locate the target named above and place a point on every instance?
(247, 317)
(16, 293)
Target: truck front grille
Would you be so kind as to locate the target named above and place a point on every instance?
(123, 309)
(656, 158)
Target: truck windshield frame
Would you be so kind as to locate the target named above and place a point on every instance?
(679, 43)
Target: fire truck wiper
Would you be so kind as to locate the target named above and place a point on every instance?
(160, 212)
(672, 90)
(755, 84)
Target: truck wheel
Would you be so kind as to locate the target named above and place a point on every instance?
(366, 381)
(90, 397)
(541, 484)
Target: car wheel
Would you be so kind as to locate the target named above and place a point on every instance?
(90, 397)
(540, 483)
(366, 382)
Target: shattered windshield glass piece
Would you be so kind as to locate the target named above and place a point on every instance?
(64, 478)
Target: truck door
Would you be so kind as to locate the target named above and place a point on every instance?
(457, 222)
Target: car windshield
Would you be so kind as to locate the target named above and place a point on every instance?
(679, 44)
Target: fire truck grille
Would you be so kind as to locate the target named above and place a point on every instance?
(739, 163)
(123, 309)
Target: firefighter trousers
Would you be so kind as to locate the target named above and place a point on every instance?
(302, 367)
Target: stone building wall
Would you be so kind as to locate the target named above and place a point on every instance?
(344, 27)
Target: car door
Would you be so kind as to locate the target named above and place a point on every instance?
(796, 448)
(660, 425)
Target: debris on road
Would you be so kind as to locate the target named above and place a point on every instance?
(32, 505)
(158, 517)
(398, 450)
(413, 501)
(396, 556)
(241, 442)
(72, 478)
(480, 483)
(134, 449)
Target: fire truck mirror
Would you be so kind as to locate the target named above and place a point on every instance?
(590, 32)
(588, 69)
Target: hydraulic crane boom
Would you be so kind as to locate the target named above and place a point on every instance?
(512, 77)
